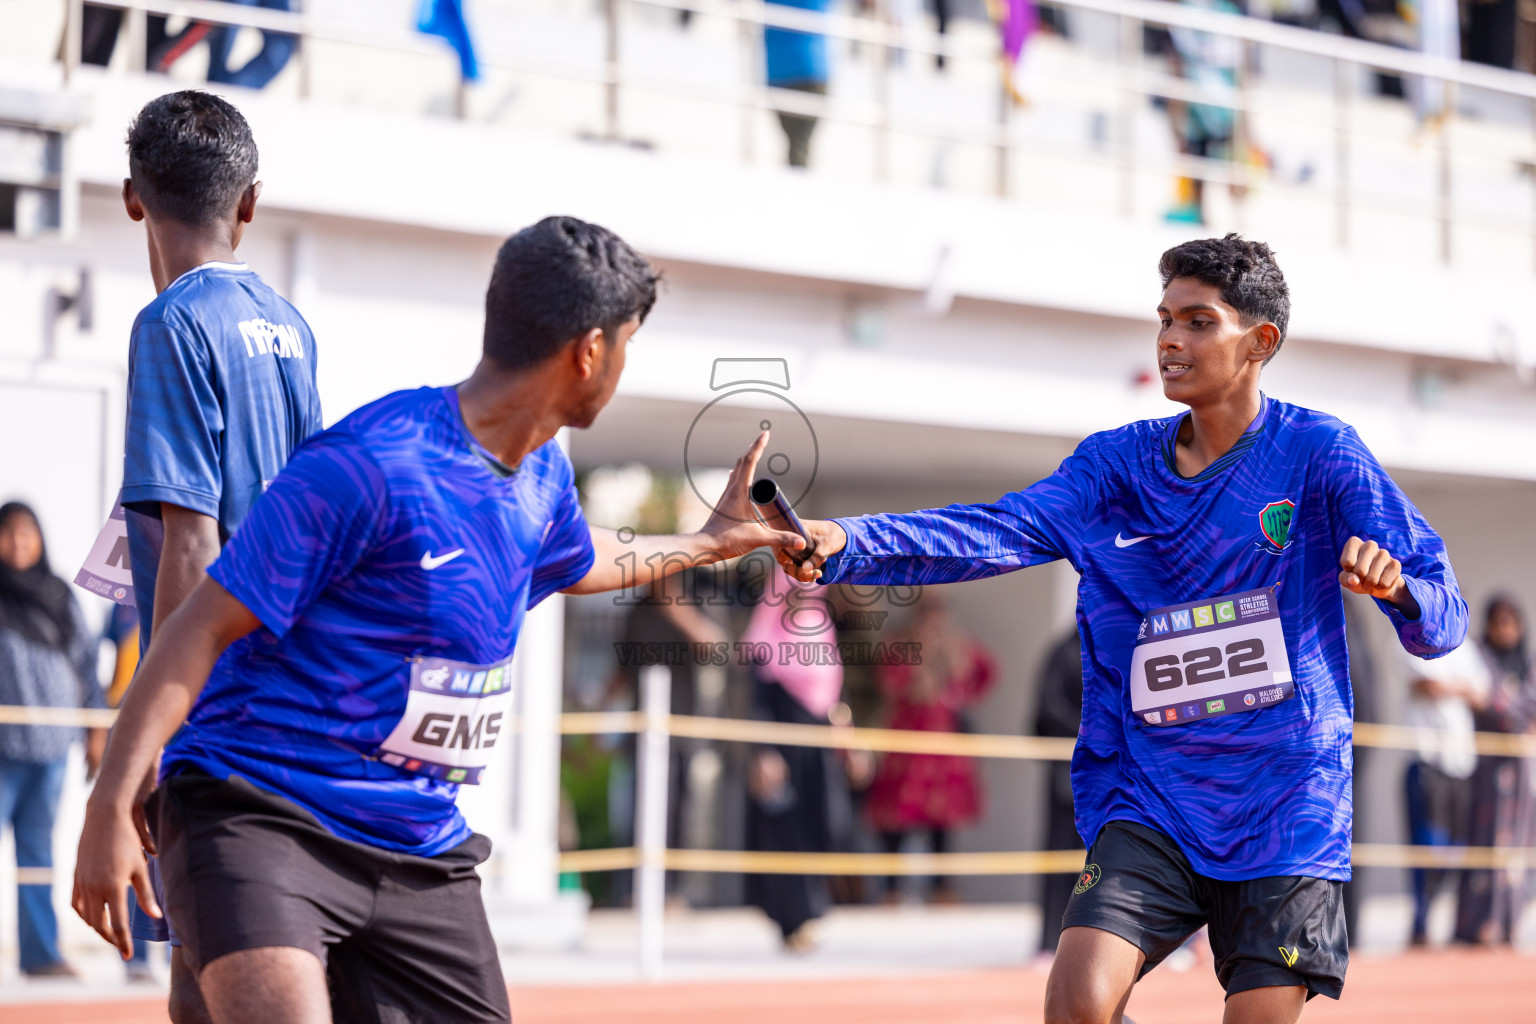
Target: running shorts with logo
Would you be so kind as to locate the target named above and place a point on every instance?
(403, 938)
(1283, 930)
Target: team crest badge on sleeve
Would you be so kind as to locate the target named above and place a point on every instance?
(1275, 523)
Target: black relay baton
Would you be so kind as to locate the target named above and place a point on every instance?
(771, 502)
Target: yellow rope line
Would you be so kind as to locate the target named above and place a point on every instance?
(1387, 855)
(740, 730)
(621, 859)
(1032, 862)
(744, 730)
(90, 718)
(587, 723)
(890, 740)
(1407, 737)
(1041, 748)
(760, 862)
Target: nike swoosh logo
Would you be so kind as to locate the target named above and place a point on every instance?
(1125, 542)
(430, 561)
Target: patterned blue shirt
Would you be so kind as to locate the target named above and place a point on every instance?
(1248, 795)
(221, 388)
(345, 562)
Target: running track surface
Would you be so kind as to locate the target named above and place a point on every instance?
(1468, 986)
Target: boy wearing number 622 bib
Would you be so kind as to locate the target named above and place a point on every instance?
(1212, 769)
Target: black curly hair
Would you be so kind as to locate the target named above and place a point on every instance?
(191, 156)
(1246, 273)
(555, 281)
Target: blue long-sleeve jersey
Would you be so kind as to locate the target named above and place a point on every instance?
(1246, 795)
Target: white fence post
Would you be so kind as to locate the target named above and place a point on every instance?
(651, 770)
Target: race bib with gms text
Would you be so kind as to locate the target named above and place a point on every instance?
(453, 717)
(106, 570)
(1209, 658)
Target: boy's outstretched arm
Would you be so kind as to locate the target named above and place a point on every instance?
(1041, 523)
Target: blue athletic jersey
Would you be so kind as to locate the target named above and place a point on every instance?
(1248, 795)
(221, 388)
(348, 561)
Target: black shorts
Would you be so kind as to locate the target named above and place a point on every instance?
(1283, 930)
(403, 938)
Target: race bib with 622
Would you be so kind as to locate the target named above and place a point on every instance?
(1209, 658)
(453, 717)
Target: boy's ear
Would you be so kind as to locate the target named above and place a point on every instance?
(245, 210)
(586, 353)
(1263, 341)
(131, 201)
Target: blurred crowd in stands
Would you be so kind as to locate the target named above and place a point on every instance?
(1496, 32)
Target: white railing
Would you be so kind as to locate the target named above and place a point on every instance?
(1132, 76)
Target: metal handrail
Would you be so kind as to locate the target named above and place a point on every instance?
(1131, 79)
(863, 30)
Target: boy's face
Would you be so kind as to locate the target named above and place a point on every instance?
(1203, 350)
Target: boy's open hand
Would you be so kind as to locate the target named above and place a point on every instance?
(734, 527)
(111, 859)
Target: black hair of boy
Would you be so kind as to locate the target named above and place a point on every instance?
(191, 157)
(555, 281)
(1244, 272)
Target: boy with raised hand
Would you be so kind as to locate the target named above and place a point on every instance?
(1212, 771)
(221, 382)
(346, 666)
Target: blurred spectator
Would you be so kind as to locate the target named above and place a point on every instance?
(47, 659)
(269, 61)
(944, 12)
(934, 792)
(797, 60)
(1439, 35)
(122, 633)
(1501, 33)
(1364, 682)
(798, 795)
(1210, 62)
(676, 613)
(100, 27)
(1444, 693)
(1017, 20)
(1503, 794)
(1377, 21)
(1059, 713)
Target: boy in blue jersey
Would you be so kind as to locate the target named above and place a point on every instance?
(221, 379)
(1212, 771)
(346, 667)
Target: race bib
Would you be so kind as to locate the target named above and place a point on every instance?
(106, 570)
(1209, 658)
(453, 717)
